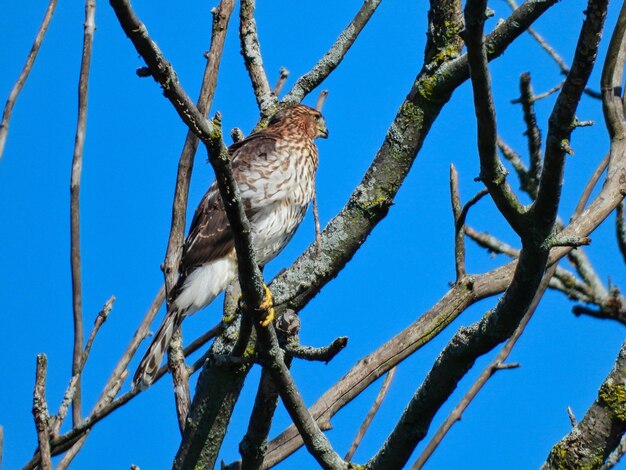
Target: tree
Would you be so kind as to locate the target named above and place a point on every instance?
(496, 298)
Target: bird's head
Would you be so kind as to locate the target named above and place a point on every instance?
(303, 117)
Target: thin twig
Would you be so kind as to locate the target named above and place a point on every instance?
(40, 412)
(323, 354)
(106, 402)
(553, 54)
(21, 80)
(382, 393)
(77, 168)
(140, 334)
(333, 57)
(321, 100)
(459, 238)
(484, 377)
(533, 133)
(71, 388)
(283, 75)
(591, 184)
(101, 412)
(1, 444)
(572, 417)
(549, 92)
(620, 228)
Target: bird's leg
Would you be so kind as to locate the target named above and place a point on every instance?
(267, 306)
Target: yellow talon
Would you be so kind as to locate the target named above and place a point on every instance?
(268, 306)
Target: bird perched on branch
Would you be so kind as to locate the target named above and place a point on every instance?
(275, 171)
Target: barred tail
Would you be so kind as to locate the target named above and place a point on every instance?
(149, 365)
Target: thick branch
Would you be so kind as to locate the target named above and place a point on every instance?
(251, 51)
(599, 432)
(484, 377)
(253, 446)
(40, 412)
(560, 124)
(492, 172)
(371, 199)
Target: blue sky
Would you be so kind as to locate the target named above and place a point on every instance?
(134, 138)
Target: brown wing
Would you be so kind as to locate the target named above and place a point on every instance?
(210, 236)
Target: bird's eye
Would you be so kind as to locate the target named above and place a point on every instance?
(317, 117)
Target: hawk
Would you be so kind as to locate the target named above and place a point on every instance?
(275, 171)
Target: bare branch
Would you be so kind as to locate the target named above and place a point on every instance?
(518, 165)
(611, 307)
(316, 442)
(180, 377)
(611, 82)
(483, 378)
(323, 354)
(460, 214)
(492, 172)
(251, 51)
(253, 446)
(21, 80)
(40, 412)
(615, 456)
(591, 184)
(599, 432)
(544, 44)
(329, 62)
(108, 404)
(459, 233)
(382, 393)
(237, 135)
(563, 115)
(77, 168)
(620, 229)
(283, 75)
(71, 388)
(321, 99)
(572, 417)
(532, 132)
